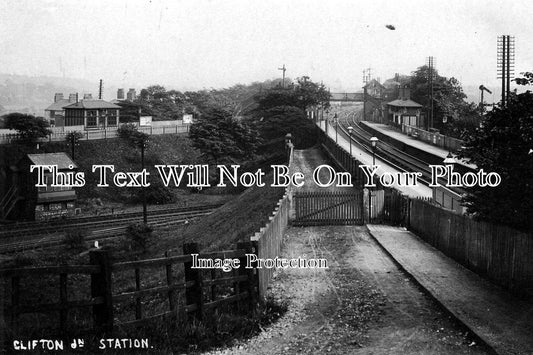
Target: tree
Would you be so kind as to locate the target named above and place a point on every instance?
(131, 111)
(29, 128)
(282, 110)
(276, 122)
(163, 104)
(132, 135)
(303, 95)
(452, 115)
(503, 145)
(223, 138)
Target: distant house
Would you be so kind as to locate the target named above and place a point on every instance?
(373, 105)
(92, 114)
(374, 89)
(41, 203)
(55, 113)
(404, 111)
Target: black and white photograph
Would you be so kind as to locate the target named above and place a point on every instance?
(266, 177)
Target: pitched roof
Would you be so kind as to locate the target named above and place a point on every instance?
(57, 106)
(404, 103)
(62, 160)
(92, 104)
(374, 83)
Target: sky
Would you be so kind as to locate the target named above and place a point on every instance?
(214, 44)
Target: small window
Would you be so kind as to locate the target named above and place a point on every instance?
(92, 118)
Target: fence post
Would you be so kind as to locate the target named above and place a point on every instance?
(15, 298)
(193, 295)
(408, 213)
(255, 272)
(247, 285)
(101, 287)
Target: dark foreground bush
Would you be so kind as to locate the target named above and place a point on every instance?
(138, 235)
(219, 329)
(75, 239)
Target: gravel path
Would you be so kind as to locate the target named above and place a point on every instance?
(362, 304)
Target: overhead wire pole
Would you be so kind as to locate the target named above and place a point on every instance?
(505, 64)
(367, 77)
(431, 75)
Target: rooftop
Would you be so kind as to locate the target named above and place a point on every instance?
(62, 160)
(404, 103)
(58, 106)
(92, 104)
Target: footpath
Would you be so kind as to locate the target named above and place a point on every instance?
(502, 321)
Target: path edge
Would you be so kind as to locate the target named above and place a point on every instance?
(480, 338)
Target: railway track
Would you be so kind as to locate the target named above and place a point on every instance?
(31, 238)
(393, 156)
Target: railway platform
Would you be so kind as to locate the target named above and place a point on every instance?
(500, 320)
(364, 157)
(413, 142)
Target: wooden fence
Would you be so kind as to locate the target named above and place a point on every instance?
(388, 206)
(342, 158)
(499, 253)
(440, 140)
(318, 208)
(185, 290)
(91, 134)
(270, 239)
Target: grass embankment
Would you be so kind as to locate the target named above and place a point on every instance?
(235, 221)
(162, 149)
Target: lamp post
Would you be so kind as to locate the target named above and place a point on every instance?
(374, 143)
(288, 145)
(336, 126)
(449, 160)
(350, 130)
(143, 145)
(327, 120)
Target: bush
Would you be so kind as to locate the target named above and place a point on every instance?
(75, 239)
(138, 235)
(21, 259)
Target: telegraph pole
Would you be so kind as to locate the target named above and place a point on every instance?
(505, 64)
(367, 77)
(283, 69)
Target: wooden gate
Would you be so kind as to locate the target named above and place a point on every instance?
(388, 206)
(318, 208)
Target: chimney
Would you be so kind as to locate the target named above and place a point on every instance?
(58, 97)
(120, 94)
(132, 95)
(73, 98)
(406, 93)
(87, 96)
